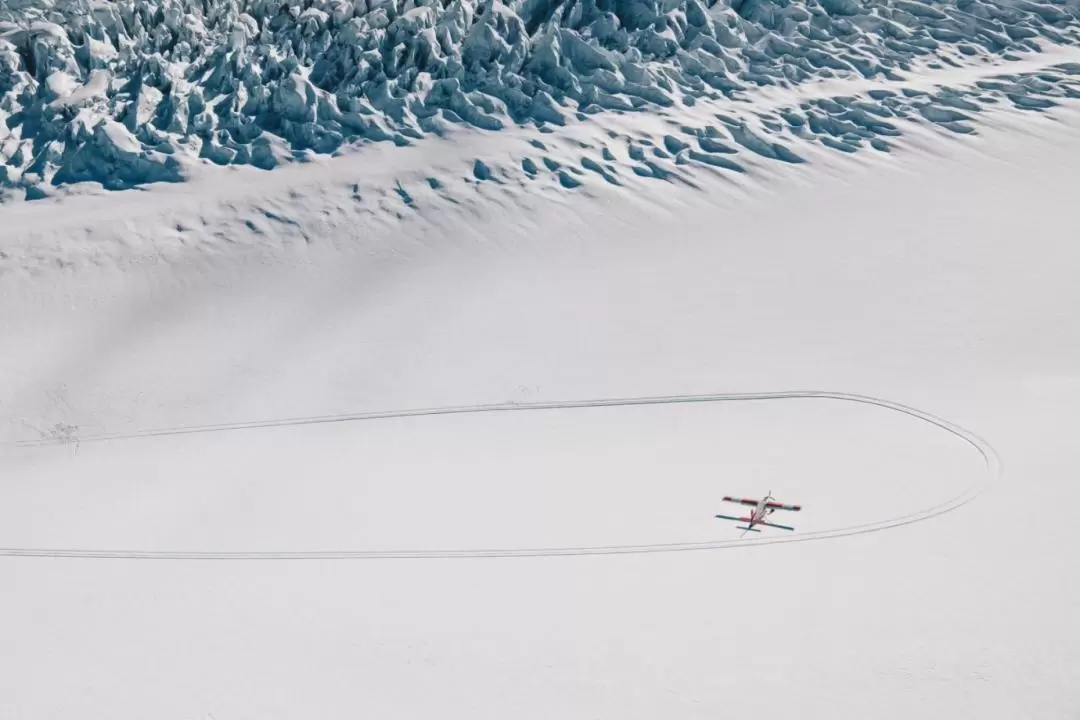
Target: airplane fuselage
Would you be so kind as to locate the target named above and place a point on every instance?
(761, 510)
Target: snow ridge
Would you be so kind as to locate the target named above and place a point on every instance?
(123, 92)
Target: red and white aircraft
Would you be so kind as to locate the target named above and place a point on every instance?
(763, 508)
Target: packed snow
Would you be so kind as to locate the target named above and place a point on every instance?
(392, 359)
(604, 519)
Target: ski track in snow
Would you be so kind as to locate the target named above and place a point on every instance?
(986, 451)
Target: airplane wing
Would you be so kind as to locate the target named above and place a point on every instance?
(782, 506)
(775, 525)
(737, 519)
(758, 522)
(741, 501)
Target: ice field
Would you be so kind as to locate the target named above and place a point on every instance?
(439, 428)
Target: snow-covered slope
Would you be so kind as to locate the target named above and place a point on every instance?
(945, 281)
(125, 92)
(224, 492)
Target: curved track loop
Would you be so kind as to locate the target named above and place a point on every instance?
(985, 450)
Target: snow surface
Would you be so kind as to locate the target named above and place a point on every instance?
(943, 280)
(364, 435)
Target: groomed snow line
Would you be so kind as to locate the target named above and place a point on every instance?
(986, 452)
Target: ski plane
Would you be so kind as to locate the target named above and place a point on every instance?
(763, 508)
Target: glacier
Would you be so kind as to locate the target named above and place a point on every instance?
(308, 311)
(126, 92)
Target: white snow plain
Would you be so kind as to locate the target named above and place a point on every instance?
(201, 514)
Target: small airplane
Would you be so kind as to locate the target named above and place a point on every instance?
(763, 508)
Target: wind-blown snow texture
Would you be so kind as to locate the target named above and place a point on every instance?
(130, 91)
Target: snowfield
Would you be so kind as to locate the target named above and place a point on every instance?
(432, 418)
